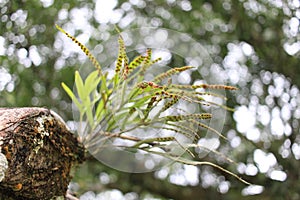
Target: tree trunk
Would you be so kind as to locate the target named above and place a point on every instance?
(37, 153)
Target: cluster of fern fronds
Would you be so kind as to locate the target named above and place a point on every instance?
(126, 104)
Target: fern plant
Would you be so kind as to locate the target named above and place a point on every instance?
(126, 104)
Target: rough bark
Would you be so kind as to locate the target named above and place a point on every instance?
(40, 151)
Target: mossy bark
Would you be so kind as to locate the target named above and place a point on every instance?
(40, 151)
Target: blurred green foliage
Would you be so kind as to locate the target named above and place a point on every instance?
(254, 43)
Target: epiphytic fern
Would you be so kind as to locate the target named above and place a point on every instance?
(119, 106)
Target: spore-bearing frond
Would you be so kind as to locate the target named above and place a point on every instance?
(128, 103)
(84, 49)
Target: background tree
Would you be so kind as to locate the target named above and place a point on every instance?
(253, 43)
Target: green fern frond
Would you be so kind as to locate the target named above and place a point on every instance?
(170, 72)
(117, 107)
(148, 56)
(204, 86)
(148, 64)
(135, 63)
(170, 103)
(183, 129)
(83, 48)
(174, 118)
(208, 128)
(122, 59)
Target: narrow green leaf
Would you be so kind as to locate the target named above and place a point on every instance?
(91, 82)
(72, 96)
(80, 86)
(89, 114)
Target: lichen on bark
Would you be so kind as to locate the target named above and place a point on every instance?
(40, 151)
(3, 166)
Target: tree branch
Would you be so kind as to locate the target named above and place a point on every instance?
(40, 151)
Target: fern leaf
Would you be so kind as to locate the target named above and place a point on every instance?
(170, 72)
(83, 48)
(174, 118)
